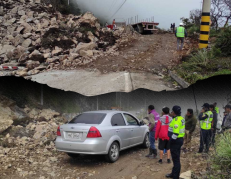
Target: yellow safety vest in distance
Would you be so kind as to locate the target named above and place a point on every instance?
(206, 124)
(217, 110)
(177, 126)
(180, 32)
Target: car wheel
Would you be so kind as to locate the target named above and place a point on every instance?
(146, 142)
(113, 153)
(72, 155)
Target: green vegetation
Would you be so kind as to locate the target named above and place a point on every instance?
(220, 159)
(223, 41)
(202, 64)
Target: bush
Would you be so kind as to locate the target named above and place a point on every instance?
(199, 59)
(221, 157)
(223, 42)
(193, 29)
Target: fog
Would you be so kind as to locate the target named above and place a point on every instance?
(164, 11)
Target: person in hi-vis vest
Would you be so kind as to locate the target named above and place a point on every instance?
(180, 33)
(205, 118)
(176, 132)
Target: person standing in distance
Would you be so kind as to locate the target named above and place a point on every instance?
(176, 132)
(205, 118)
(180, 33)
(153, 119)
(214, 123)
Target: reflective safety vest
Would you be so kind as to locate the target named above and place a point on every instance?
(180, 32)
(217, 110)
(177, 126)
(207, 123)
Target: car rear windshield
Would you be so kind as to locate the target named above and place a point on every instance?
(89, 118)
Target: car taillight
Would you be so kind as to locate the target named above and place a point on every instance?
(58, 131)
(93, 133)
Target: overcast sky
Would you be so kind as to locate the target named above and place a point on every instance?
(164, 11)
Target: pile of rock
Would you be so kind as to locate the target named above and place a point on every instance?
(35, 37)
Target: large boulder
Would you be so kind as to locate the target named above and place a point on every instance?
(10, 114)
(6, 119)
(6, 48)
(85, 46)
(48, 114)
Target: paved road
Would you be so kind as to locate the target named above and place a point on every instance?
(94, 83)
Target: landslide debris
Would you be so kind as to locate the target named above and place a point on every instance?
(36, 38)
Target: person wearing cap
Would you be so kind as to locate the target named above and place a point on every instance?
(227, 122)
(176, 134)
(153, 119)
(205, 118)
(180, 33)
(214, 123)
(162, 134)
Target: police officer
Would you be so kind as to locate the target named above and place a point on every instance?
(205, 118)
(176, 134)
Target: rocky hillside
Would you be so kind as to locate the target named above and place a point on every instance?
(23, 134)
(35, 38)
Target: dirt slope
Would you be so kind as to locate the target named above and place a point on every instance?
(149, 53)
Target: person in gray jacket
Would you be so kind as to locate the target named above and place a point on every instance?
(227, 123)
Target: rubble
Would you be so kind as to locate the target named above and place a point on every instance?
(47, 36)
(23, 142)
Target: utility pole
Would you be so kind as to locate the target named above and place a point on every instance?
(205, 24)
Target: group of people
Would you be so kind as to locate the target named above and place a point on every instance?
(113, 26)
(173, 27)
(175, 131)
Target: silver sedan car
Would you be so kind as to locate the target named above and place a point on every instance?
(101, 132)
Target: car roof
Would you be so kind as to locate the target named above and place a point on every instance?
(106, 111)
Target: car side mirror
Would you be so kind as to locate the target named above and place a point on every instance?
(141, 123)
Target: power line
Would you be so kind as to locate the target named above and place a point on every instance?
(118, 9)
(113, 4)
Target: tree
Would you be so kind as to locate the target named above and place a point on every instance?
(195, 17)
(220, 13)
(227, 3)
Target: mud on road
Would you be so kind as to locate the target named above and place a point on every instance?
(149, 53)
(132, 164)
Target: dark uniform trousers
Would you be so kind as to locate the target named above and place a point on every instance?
(175, 148)
(205, 139)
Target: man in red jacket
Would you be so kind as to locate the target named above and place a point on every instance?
(162, 133)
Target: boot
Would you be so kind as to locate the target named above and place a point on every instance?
(154, 153)
(150, 153)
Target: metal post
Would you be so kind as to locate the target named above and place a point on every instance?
(42, 94)
(205, 24)
(97, 104)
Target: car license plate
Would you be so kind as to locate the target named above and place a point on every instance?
(72, 135)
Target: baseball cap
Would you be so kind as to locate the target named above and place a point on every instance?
(205, 105)
(177, 110)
